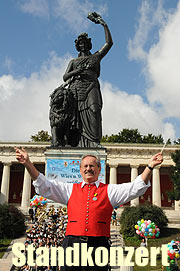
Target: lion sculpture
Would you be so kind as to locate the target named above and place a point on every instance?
(63, 118)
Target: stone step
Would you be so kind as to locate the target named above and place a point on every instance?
(172, 225)
(172, 213)
(5, 265)
(174, 221)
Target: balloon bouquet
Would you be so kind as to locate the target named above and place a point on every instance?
(38, 201)
(147, 229)
(173, 252)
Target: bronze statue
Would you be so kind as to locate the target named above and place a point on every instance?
(81, 80)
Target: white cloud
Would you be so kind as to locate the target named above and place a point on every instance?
(150, 17)
(163, 66)
(122, 110)
(75, 12)
(156, 43)
(25, 101)
(38, 8)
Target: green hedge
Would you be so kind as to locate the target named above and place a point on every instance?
(131, 215)
(11, 222)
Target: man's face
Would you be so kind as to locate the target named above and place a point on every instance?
(89, 169)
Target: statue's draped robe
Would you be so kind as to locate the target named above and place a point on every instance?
(86, 90)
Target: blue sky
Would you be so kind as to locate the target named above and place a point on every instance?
(140, 80)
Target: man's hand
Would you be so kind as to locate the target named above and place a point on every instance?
(22, 156)
(155, 160)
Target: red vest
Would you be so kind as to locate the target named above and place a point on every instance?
(89, 211)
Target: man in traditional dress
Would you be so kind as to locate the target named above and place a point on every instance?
(89, 203)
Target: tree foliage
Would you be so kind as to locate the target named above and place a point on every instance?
(133, 136)
(131, 215)
(11, 222)
(41, 136)
(177, 142)
(175, 176)
(152, 139)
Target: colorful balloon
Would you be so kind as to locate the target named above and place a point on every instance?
(173, 250)
(147, 229)
(37, 201)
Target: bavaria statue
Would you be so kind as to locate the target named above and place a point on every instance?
(75, 106)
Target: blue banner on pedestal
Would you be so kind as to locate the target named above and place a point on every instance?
(68, 170)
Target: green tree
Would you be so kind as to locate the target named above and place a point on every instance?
(175, 176)
(124, 136)
(152, 139)
(133, 136)
(177, 142)
(41, 136)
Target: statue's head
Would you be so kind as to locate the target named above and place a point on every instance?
(83, 37)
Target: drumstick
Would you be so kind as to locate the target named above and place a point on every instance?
(164, 146)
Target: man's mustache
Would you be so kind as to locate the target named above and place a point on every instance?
(89, 171)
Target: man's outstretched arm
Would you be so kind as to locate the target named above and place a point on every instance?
(122, 193)
(23, 158)
(56, 191)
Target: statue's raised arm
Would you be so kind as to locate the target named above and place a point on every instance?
(97, 19)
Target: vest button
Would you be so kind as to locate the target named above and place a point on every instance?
(86, 229)
(87, 211)
(86, 222)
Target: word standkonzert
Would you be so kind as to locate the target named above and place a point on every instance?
(56, 256)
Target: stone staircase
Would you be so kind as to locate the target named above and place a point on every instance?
(173, 217)
(117, 241)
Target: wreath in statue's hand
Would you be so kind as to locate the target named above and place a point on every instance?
(96, 18)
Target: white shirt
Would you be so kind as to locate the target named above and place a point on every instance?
(118, 194)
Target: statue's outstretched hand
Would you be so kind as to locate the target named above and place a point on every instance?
(96, 18)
